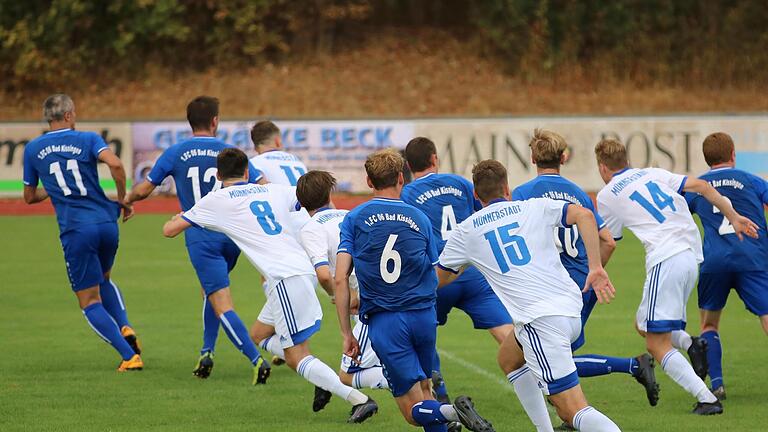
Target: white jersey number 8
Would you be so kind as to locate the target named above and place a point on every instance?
(387, 255)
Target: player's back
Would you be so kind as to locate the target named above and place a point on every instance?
(279, 167)
(65, 161)
(573, 254)
(648, 202)
(254, 217)
(512, 243)
(394, 252)
(446, 199)
(321, 235)
(723, 251)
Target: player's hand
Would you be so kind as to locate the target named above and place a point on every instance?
(743, 225)
(128, 211)
(351, 348)
(599, 281)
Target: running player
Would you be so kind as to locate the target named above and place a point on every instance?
(728, 262)
(512, 243)
(548, 153)
(393, 249)
(277, 165)
(64, 160)
(192, 164)
(320, 239)
(648, 202)
(448, 199)
(253, 217)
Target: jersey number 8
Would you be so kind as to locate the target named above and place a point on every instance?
(266, 218)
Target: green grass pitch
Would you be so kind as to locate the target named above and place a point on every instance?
(56, 374)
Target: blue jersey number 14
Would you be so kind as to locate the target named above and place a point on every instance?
(661, 200)
(515, 250)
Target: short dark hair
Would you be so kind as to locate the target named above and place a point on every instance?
(201, 111)
(419, 153)
(489, 177)
(384, 168)
(313, 189)
(718, 148)
(232, 163)
(263, 131)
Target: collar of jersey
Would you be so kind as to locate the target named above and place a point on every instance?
(270, 150)
(59, 131)
(550, 175)
(203, 137)
(720, 169)
(239, 184)
(620, 172)
(386, 199)
(323, 209)
(423, 177)
(497, 200)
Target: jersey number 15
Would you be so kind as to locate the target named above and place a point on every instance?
(514, 251)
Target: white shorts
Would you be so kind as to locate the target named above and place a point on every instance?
(546, 345)
(292, 309)
(665, 293)
(367, 358)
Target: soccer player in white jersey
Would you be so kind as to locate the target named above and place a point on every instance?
(512, 244)
(253, 217)
(648, 201)
(320, 238)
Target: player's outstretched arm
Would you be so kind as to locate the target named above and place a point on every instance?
(342, 295)
(597, 278)
(140, 192)
(607, 245)
(175, 226)
(34, 194)
(325, 278)
(118, 174)
(741, 224)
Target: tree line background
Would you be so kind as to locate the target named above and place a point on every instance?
(675, 42)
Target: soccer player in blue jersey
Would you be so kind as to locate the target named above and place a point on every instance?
(448, 199)
(65, 160)
(192, 164)
(393, 249)
(728, 262)
(548, 153)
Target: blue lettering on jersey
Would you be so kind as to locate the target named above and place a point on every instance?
(65, 162)
(192, 164)
(573, 254)
(393, 251)
(446, 199)
(723, 252)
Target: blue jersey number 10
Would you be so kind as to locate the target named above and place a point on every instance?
(515, 250)
(266, 218)
(661, 200)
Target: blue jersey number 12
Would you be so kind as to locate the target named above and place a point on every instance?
(515, 250)
(661, 200)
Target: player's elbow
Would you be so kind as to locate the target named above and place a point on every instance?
(609, 244)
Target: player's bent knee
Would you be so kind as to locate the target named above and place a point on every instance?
(345, 378)
(88, 296)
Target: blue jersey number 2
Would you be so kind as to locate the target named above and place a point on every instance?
(515, 250)
(661, 200)
(265, 217)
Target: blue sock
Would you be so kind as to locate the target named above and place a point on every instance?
(714, 358)
(103, 324)
(238, 334)
(594, 365)
(427, 413)
(210, 327)
(112, 299)
(440, 390)
(436, 428)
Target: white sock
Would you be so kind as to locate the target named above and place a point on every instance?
(591, 420)
(678, 368)
(370, 378)
(321, 375)
(272, 344)
(449, 412)
(531, 398)
(681, 340)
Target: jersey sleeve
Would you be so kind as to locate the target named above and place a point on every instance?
(203, 214)
(314, 243)
(97, 145)
(674, 181)
(554, 212)
(347, 235)
(610, 218)
(162, 168)
(761, 187)
(254, 175)
(431, 241)
(30, 172)
(454, 254)
(588, 204)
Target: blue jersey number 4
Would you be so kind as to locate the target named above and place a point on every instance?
(661, 200)
(514, 251)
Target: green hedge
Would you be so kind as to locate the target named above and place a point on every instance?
(713, 42)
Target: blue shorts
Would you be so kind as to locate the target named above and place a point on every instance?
(471, 293)
(405, 343)
(89, 251)
(213, 260)
(752, 287)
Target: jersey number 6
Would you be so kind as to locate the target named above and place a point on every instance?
(387, 255)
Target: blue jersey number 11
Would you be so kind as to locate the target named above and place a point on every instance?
(292, 178)
(661, 200)
(515, 250)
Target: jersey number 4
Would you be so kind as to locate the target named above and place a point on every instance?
(447, 222)
(660, 199)
(74, 168)
(514, 251)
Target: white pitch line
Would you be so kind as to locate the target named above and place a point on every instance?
(476, 369)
